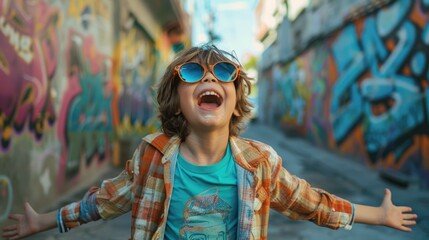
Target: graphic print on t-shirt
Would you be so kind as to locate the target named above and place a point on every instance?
(206, 217)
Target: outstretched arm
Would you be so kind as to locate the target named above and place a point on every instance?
(387, 214)
(29, 223)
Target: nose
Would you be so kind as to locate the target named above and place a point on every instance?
(209, 77)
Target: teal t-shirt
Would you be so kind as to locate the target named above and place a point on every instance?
(204, 201)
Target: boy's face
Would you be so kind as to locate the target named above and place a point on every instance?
(207, 104)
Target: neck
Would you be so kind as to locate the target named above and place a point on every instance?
(204, 148)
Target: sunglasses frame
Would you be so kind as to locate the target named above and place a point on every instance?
(211, 69)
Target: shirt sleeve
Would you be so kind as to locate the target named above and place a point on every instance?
(111, 200)
(296, 198)
(78, 213)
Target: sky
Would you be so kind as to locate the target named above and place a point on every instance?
(234, 23)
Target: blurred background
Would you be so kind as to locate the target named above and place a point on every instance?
(77, 76)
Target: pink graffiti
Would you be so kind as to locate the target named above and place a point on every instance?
(28, 60)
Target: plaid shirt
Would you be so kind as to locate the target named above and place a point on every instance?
(145, 188)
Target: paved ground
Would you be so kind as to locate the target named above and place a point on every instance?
(323, 169)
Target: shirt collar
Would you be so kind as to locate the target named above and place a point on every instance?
(245, 154)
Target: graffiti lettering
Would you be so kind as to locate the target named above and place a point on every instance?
(21, 43)
(28, 62)
(377, 88)
(346, 102)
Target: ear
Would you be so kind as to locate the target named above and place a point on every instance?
(178, 112)
(236, 113)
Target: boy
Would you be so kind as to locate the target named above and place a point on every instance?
(198, 178)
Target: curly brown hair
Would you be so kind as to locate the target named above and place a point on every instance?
(173, 123)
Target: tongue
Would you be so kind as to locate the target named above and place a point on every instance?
(208, 106)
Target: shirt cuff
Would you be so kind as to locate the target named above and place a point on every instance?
(69, 217)
(352, 219)
(78, 213)
(62, 228)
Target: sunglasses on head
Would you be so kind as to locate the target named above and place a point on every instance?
(192, 72)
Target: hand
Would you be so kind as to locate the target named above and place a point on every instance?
(398, 217)
(26, 224)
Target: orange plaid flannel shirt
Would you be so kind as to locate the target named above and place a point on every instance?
(144, 187)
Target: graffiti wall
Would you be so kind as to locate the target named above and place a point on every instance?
(70, 93)
(365, 89)
(134, 75)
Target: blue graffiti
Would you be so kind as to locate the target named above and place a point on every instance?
(390, 18)
(425, 34)
(390, 102)
(426, 96)
(407, 38)
(405, 114)
(346, 103)
(401, 100)
(290, 102)
(418, 63)
(90, 111)
(373, 46)
(89, 122)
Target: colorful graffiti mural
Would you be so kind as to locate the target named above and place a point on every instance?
(85, 127)
(85, 120)
(134, 78)
(369, 89)
(72, 94)
(28, 61)
(380, 81)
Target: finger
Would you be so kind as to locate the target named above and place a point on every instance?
(28, 207)
(15, 237)
(409, 222)
(405, 229)
(409, 216)
(405, 208)
(10, 227)
(29, 211)
(15, 217)
(387, 195)
(9, 234)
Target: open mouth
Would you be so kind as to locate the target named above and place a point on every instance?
(209, 100)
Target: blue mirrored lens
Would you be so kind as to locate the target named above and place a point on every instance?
(191, 72)
(225, 71)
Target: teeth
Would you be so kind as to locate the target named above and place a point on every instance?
(209, 93)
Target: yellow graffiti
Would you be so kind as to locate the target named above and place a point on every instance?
(40, 125)
(99, 8)
(7, 133)
(4, 63)
(301, 86)
(129, 128)
(130, 46)
(132, 53)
